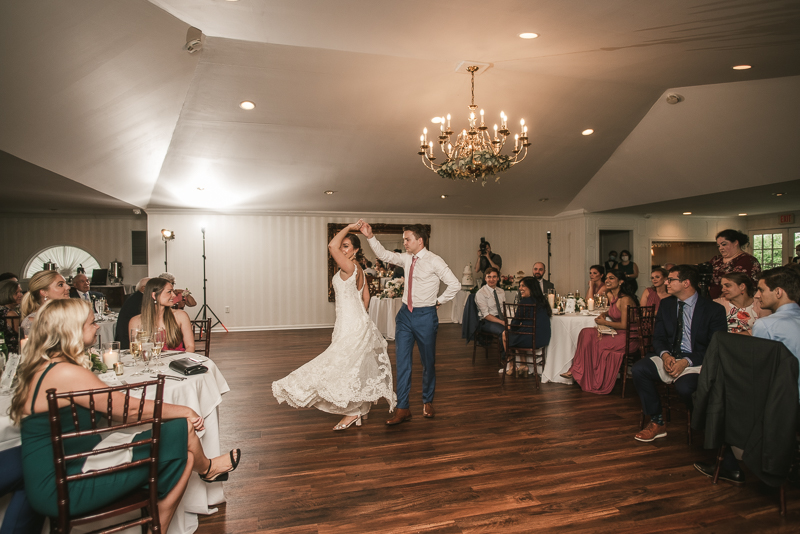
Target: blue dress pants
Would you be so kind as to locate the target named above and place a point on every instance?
(646, 380)
(20, 517)
(420, 327)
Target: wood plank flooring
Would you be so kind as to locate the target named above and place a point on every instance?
(510, 460)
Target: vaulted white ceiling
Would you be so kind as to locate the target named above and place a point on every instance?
(104, 95)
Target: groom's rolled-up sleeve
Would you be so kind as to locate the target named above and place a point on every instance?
(383, 254)
(446, 275)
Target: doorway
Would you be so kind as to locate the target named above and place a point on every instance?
(616, 240)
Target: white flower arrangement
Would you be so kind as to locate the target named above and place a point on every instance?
(393, 289)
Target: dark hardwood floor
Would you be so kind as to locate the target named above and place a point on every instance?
(493, 460)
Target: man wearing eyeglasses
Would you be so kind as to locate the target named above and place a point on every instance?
(685, 324)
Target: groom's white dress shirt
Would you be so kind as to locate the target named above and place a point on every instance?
(428, 270)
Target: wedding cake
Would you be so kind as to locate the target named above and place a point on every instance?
(519, 276)
(467, 279)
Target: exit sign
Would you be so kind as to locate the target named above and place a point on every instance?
(787, 218)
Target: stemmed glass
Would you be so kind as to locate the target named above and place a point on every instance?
(136, 347)
(159, 339)
(147, 352)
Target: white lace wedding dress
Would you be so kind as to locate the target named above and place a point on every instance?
(354, 371)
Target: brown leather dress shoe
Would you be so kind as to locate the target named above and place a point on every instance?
(651, 432)
(400, 415)
(428, 411)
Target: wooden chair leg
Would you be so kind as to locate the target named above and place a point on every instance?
(688, 427)
(783, 499)
(474, 347)
(719, 464)
(624, 374)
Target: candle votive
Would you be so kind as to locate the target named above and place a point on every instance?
(110, 353)
(119, 368)
(590, 304)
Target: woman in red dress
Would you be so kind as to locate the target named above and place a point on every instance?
(731, 259)
(598, 356)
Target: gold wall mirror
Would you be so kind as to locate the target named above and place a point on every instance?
(390, 236)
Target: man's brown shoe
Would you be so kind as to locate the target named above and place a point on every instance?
(400, 415)
(427, 410)
(651, 432)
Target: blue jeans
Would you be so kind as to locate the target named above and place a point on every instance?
(20, 517)
(420, 327)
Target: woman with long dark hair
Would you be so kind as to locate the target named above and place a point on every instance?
(731, 259)
(530, 294)
(354, 372)
(598, 356)
(157, 313)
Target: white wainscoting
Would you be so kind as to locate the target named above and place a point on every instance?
(271, 270)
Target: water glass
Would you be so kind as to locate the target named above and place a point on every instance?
(147, 353)
(159, 340)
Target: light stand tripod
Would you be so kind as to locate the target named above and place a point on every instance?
(166, 236)
(205, 306)
(548, 255)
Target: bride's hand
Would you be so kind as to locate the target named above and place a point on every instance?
(355, 226)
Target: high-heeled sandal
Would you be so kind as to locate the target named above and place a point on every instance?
(522, 372)
(340, 426)
(222, 477)
(566, 375)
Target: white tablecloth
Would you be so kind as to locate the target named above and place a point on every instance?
(202, 393)
(563, 342)
(382, 313)
(106, 331)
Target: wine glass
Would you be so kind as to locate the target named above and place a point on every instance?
(159, 339)
(147, 352)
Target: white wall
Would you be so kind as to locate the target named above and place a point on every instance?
(271, 269)
(105, 237)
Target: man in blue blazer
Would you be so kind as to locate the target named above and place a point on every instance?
(685, 324)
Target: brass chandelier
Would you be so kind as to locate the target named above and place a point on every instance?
(475, 154)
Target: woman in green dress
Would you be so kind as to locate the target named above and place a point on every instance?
(54, 358)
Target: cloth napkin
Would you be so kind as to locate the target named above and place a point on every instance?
(665, 377)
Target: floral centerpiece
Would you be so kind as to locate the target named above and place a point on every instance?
(507, 282)
(580, 303)
(393, 289)
(97, 362)
(482, 164)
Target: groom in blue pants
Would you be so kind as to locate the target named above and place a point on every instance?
(417, 320)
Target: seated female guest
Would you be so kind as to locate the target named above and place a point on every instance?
(742, 310)
(596, 285)
(530, 294)
(598, 356)
(652, 295)
(44, 286)
(157, 313)
(54, 358)
(731, 259)
(10, 299)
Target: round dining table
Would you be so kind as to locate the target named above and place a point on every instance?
(202, 393)
(565, 330)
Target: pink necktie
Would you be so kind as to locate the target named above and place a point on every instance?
(410, 281)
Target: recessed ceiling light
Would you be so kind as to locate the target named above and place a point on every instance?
(247, 105)
(201, 188)
(587, 131)
(742, 214)
(742, 67)
(529, 35)
(778, 194)
(543, 199)
(687, 212)
(329, 192)
(444, 196)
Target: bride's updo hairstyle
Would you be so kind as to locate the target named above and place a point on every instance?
(355, 242)
(57, 331)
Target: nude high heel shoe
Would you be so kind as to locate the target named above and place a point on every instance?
(345, 426)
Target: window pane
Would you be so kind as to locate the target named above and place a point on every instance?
(767, 241)
(759, 256)
(777, 240)
(777, 258)
(796, 238)
(757, 242)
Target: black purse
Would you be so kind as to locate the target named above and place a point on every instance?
(187, 366)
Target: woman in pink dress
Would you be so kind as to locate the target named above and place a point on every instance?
(598, 356)
(652, 295)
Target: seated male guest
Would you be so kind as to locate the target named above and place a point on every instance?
(779, 292)
(538, 273)
(80, 289)
(685, 324)
(130, 309)
(489, 300)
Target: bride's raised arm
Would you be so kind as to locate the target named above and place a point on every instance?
(334, 247)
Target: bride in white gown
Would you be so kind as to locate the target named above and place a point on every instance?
(354, 372)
